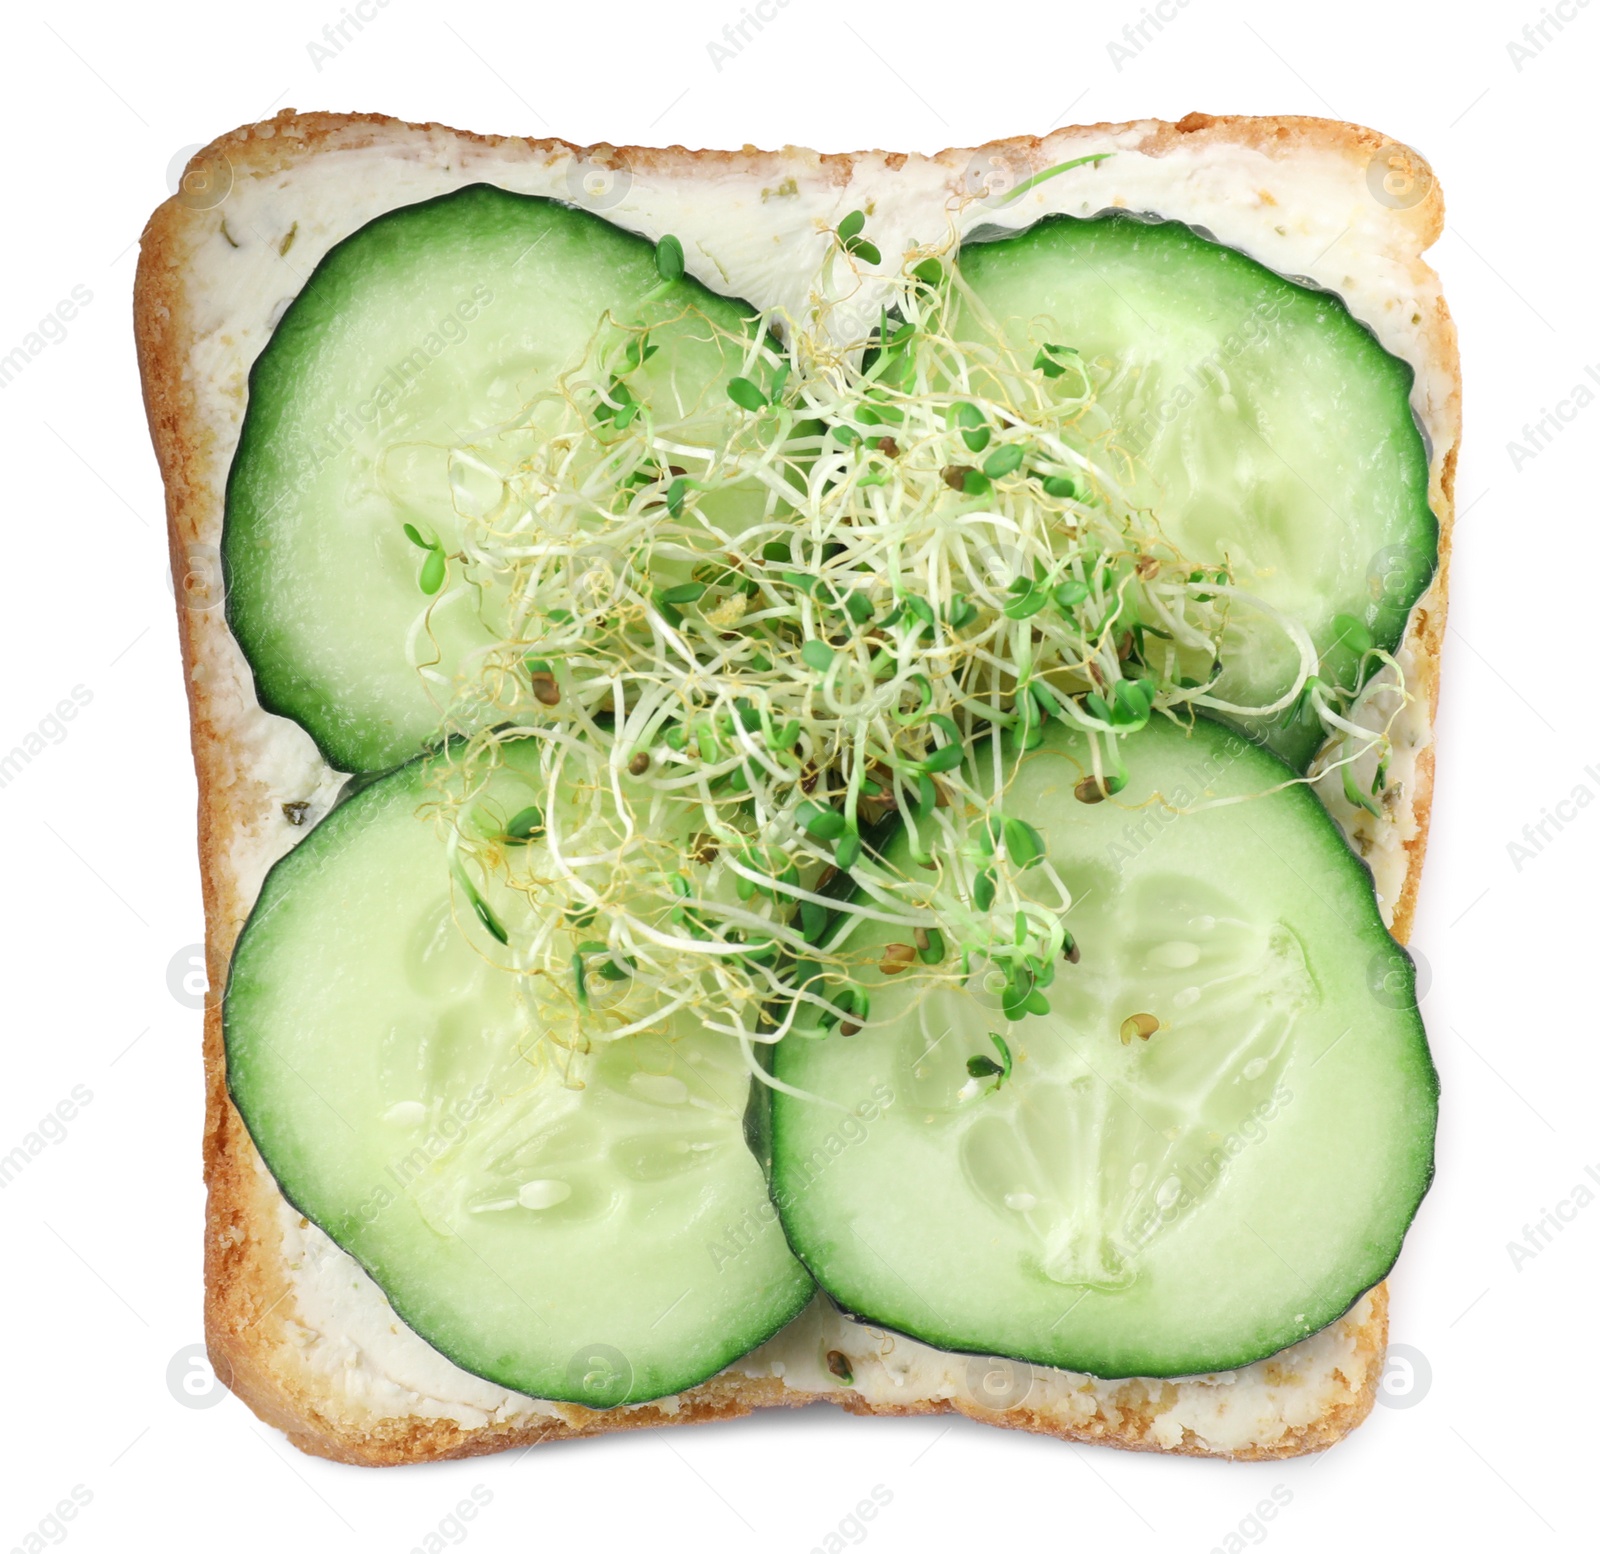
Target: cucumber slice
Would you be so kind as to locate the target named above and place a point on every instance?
(585, 1225)
(1264, 427)
(431, 329)
(1210, 1146)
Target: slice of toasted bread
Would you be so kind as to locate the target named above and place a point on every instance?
(293, 1325)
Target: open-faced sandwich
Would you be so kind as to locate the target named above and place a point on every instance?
(808, 770)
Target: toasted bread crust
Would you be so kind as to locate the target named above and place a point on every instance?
(249, 1302)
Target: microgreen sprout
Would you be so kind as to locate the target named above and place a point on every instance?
(430, 578)
(481, 909)
(853, 242)
(1092, 160)
(980, 1067)
(669, 258)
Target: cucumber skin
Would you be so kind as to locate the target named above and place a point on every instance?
(1297, 743)
(785, 1195)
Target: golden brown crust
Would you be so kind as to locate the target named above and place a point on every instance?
(277, 144)
(247, 1289)
(1427, 634)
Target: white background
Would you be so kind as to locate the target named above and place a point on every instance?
(102, 1231)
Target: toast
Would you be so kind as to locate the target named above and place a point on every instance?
(293, 1325)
